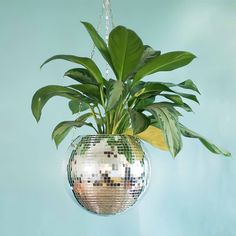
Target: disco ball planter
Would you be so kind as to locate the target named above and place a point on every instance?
(108, 173)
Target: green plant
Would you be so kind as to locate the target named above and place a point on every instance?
(125, 104)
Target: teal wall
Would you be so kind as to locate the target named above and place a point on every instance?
(190, 196)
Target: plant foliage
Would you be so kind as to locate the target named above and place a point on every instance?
(125, 104)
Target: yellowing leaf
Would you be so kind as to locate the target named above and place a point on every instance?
(152, 135)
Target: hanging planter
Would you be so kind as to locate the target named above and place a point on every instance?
(108, 171)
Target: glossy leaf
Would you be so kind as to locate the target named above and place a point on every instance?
(99, 43)
(115, 94)
(187, 84)
(139, 121)
(90, 90)
(61, 131)
(41, 97)
(143, 103)
(144, 90)
(169, 125)
(165, 62)
(185, 106)
(178, 102)
(77, 106)
(84, 61)
(63, 128)
(81, 75)
(210, 146)
(173, 97)
(148, 54)
(169, 106)
(188, 96)
(126, 49)
(154, 88)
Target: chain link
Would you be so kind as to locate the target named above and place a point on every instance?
(111, 16)
(109, 24)
(106, 4)
(98, 30)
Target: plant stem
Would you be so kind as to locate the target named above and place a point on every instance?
(112, 120)
(100, 113)
(119, 114)
(118, 123)
(102, 97)
(96, 119)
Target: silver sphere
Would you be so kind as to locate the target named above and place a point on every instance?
(107, 173)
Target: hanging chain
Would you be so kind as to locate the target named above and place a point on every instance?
(109, 24)
(106, 4)
(109, 20)
(111, 16)
(98, 30)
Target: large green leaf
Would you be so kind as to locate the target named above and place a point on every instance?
(173, 97)
(90, 90)
(81, 75)
(139, 121)
(184, 106)
(138, 87)
(84, 61)
(169, 125)
(169, 106)
(187, 84)
(148, 54)
(115, 94)
(210, 146)
(154, 88)
(188, 96)
(143, 103)
(63, 128)
(99, 43)
(77, 106)
(126, 49)
(42, 95)
(178, 102)
(144, 90)
(165, 62)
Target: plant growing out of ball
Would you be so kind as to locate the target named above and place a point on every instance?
(126, 104)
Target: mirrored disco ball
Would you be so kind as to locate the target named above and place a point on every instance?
(107, 173)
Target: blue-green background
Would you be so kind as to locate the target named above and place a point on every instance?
(192, 195)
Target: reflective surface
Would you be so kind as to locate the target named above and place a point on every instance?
(107, 173)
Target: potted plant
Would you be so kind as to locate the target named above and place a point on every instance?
(108, 170)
